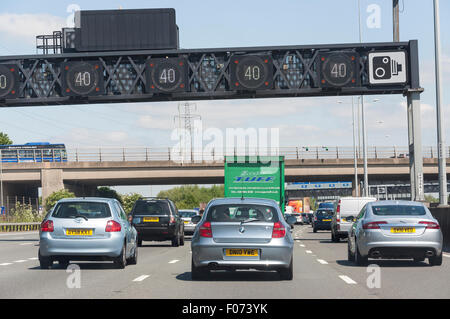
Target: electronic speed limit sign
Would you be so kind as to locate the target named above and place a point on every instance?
(338, 69)
(167, 75)
(9, 81)
(82, 78)
(251, 72)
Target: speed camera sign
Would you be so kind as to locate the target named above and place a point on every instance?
(387, 67)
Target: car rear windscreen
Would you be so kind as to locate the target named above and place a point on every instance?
(90, 210)
(324, 213)
(150, 208)
(241, 212)
(187, 213)
(398, 210)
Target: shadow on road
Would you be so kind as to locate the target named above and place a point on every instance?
(234, 276)
(82, 265)
(15, 240)
(384, 263)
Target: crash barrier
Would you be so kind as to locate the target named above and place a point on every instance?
(14, 227)
(442, 214)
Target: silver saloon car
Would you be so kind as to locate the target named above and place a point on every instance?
(87, 229)
(396, 230)
(186, 216)
(236, 233)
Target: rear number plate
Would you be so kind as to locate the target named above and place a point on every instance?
(397, 230)
(151, 219)
(326, 220)
(241, 252)
(79, 232)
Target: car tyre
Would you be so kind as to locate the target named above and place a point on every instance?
(133, 259)
(120, 262)
(334, 238)
(176, 241)
(435, 260)
(315, 230)
(198, 272)
(350, 255)
(45, 262)
(359, 259)
(139, 242)
(287, 273)
(182, 239)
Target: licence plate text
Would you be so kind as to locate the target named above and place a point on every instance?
(397, 230)
(241, 252)
(79, 232)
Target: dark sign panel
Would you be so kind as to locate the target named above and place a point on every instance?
(251, 72)
(338, 69)
(9, 81)
(82, 78)
(167, 75)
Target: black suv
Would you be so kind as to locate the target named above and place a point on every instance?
(157, 219)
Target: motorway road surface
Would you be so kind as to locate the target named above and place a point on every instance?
(321, 270)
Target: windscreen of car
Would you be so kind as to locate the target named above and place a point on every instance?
(324, 213)
(241, 212)
(187, 213)
(326, 205)
(90, 210)
(398, 210)
(151, 208)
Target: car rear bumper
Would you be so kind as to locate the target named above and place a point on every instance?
(322, 226)
(106, 247)
(274, 255)
(155, 233)
(189, 229)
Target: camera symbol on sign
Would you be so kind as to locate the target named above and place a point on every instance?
(385, 67)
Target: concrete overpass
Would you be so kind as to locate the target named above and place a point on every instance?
(24, 179)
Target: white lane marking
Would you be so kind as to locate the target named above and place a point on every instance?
(302, 245)
(173, 261)
(446, 255)
(5, 264)
(308, 251)
(141, 278)
(33, 258)
(20, 261)
(348, 280)
(323, 262)
(23, 244)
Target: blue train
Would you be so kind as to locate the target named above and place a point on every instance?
(33, 152)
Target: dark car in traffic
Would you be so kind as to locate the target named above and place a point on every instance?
(322, 219)
(157, 219)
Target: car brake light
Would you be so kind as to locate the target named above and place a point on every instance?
(373, 225)
(112, 226)
(278, 230)
(430, 225)
(47, 226)
(172, 220)
(205, 230)
(338, 212)
(315, 219)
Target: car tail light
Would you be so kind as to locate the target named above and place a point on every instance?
(315, 219)
(430, 225)
(278, 230)
(205, 230)
(172, 220)
(373, 225)
(47, 226)
(112, 226)
(338, 212)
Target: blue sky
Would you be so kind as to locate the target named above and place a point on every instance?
(209, 24)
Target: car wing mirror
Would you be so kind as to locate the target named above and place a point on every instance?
(196, 219)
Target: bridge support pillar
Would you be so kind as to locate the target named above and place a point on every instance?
(356, 187)
(51, 181)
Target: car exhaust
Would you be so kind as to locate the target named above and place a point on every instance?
(213, 265)
(376, 254)
(429, 253)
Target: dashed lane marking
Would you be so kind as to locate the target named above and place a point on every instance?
(20, 261)
(308, 251)
(141, 278)
(5, 264)
(348, 280)
(323, 262)
(446, 255)
(173, 261)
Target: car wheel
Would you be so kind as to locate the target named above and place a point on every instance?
(133, 259)
(435, 260)
(334, 238)
(176, 241)
(315, 230)
(359, 259)
(287, 273)
(182, 239)
(120, 262)
(350, 255)
(198, 272)
(45, 262)
(139, 242)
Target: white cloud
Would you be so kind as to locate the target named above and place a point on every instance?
(29, 25)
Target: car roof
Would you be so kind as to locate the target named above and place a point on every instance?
(396, 202)
(88, 199)
(240, 200)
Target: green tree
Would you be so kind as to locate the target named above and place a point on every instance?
(108, 192)
(4, 139)
(190, 196)
(129, 200)
(51, 200)
(24, 213)
(431, 199)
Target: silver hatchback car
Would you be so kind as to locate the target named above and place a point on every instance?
(236, 233)
(395, 229)
(87, 229)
